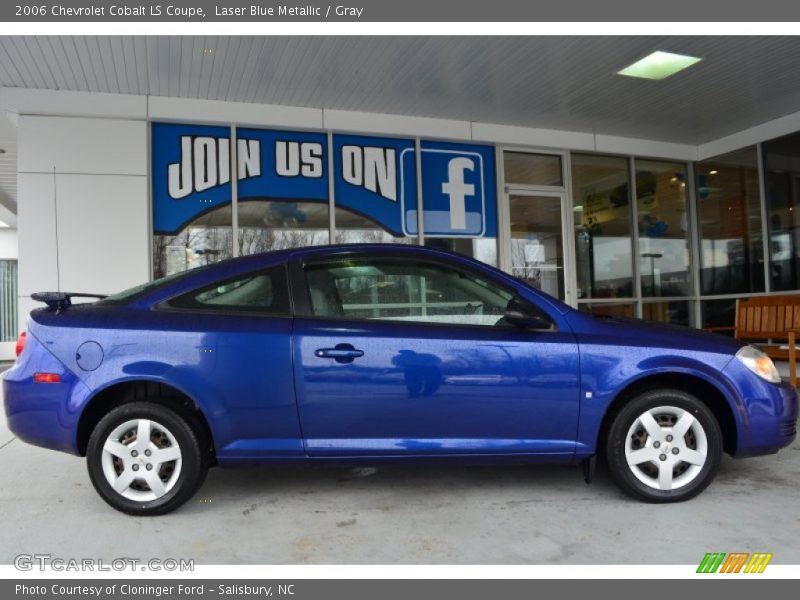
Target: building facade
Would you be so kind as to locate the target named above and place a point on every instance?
(116, 189)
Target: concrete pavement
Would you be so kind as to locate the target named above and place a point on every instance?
(392, 515)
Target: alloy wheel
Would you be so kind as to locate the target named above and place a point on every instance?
(141, 460)
(666, 448)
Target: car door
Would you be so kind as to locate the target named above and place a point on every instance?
(403, 356)
(245, 361)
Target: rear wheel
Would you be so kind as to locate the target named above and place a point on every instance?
(664, 446)
(145, 459)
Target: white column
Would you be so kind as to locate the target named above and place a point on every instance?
(83, 206)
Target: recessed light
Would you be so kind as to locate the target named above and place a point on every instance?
(714, 172)
(659, 65)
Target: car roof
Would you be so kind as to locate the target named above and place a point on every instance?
(235, 266)
(275, 256)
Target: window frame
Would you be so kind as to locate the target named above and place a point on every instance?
(166, 305)
(303, 306)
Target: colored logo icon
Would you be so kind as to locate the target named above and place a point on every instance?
(454, 192)
(734, 562)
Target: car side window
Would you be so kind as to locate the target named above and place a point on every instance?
(401, 290)
(262, 291)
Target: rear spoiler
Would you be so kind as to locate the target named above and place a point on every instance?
(58, 301)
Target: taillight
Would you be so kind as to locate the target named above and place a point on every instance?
(46, 378)
(23, 337)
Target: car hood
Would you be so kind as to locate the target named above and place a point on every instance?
(637, 332)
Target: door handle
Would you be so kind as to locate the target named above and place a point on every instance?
(341, 353)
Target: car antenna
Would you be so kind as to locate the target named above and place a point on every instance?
(55, 221)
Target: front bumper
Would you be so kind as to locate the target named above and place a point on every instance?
(767, 412)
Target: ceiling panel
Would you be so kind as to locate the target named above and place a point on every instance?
(551, 82)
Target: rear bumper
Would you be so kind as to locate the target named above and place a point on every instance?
(43, 414)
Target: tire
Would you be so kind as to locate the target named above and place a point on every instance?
(174, 454)
(667, 468)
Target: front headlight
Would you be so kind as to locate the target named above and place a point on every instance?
(759, 363)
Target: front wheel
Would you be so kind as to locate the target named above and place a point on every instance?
(664, 446)
(145, 459)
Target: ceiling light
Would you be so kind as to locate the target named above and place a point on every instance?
(3, 224)
(659, 65)
(714, 172)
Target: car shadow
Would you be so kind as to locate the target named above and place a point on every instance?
(528, 483)
(241, 484)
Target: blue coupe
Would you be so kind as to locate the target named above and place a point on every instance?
(378, 353)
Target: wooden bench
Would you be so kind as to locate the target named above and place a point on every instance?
(773, 322)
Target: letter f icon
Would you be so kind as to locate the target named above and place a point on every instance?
(457, 190)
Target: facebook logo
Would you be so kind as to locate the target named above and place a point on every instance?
(457, 185)
(458, 190)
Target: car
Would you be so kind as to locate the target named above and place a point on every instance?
(373, 354)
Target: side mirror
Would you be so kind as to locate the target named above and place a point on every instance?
(521, 314)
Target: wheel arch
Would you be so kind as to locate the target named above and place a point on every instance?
(136, 390)
(706, 391)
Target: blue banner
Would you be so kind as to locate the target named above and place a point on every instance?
(459, 190)
(190, 173)
(374, 177)
(293, 166)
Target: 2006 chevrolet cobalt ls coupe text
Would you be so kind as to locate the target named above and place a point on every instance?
(369, 353)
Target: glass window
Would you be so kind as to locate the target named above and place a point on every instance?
(675, 313)
(205, 240)
(663, 228)
(532, 169)
(782, 179)
(537, 243)
(352, 228)
(606, 309)
(719, 313)
(482, 249)
(143, 289)
(601, 196)
(405, 291)
(191, 196)
(8, 301)
(731, 248)
(266, 225)
(264, 292)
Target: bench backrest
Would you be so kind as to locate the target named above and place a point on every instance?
(767, 316)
